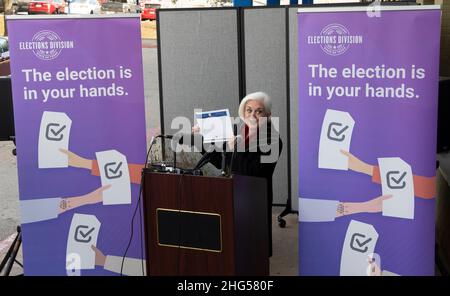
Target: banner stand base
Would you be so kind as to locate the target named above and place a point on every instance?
(287, 210)
(10, 257)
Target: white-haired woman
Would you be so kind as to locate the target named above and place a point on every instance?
(257, 148)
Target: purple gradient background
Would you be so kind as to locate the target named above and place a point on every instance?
(98, 124)
(383, 128)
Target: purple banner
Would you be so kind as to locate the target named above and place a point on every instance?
(80, 128)
(368, 86)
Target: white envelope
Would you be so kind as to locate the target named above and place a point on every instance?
(336, 134)
(359, 244)
(215, 126)
(83, 234)
(397, 180)
(53, 134)
(114, 171)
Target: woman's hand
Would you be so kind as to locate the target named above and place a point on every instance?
(100, 258)
(372, 206)
(195, 129)
(357, 165)
(373, 268)
(230, 142)
(93, 197)
(253, 132)
(375, 205)
(77, 161)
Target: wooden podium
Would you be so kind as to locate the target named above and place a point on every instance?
(197, 225)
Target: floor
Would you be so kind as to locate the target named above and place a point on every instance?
(285, 245)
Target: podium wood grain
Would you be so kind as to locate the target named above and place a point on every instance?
(240, 201)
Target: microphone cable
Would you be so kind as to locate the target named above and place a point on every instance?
(179, 199)
(132, 228)
(138, 206)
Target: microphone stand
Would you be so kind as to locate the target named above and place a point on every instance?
(224, 156)
(152, 141)
(237, 137)
(8, 261)
(174, 161)
(234, 153)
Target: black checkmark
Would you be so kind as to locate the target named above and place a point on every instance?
(84, 234)
(395, 183)
(336, 134)
(58, 131)
(53, 134)
(81, 236)
(399, 179)
(112, 170)
(362, 244)
(358, 245)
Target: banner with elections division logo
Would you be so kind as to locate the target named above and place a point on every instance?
(367, 140)
(80, 129)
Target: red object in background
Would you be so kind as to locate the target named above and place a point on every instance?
(5, 68)
(149, 11)
(46, 7)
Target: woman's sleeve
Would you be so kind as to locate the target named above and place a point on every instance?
(131, 266)
(215, 158)
(95, 171)
(134, 169)
(35, 210)
(424, 187)
(255, 167)
(317, 210)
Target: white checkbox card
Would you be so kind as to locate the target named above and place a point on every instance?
(114, 171)
(83, 234)
(54, 134)
(397, 180)
(215, 126)
(336, 134)
(360, 241)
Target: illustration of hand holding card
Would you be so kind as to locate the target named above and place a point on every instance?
(336, 135)
(54, 134)
(360, 242)
(83, 234)
(114, 171)
(397, 180)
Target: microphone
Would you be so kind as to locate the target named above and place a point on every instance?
(177, 139)
(224, 158)
(152, 141)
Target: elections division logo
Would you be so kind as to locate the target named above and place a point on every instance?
(46, 45)
(335, 39)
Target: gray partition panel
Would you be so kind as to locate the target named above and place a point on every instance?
(265, 70)
(293, 79)
(199, 62)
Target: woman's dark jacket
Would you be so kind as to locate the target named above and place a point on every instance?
(247, 161)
